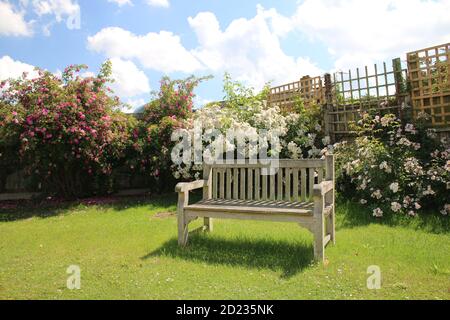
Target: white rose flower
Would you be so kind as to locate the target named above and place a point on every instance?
(396, 207)
(429, 192)
(326, 141)
(394, 187)
(377, 194)
(378, 213)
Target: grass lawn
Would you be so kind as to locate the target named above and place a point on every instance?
(129, 250)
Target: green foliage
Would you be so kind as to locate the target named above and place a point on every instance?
(240, 98)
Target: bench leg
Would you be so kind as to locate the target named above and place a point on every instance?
(319, 229)
(183, 230)
(331, 226)
(331, 219)
(208, 225)
(319, 242)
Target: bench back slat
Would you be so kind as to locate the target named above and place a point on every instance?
(264, 193)
(235, 184)
(304, 183)
(287, 191)
(229, 183)
(257, 184)
(295, 184)
(293, 180)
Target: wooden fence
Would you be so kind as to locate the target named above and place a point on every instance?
(382, 88)
(388, 87)
(429, 71)
(310, 90)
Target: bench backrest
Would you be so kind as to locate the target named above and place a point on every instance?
(293, 180)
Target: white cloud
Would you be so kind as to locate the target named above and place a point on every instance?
(12, 22)
(121, 3)
(67, 10)
(161, 51)
(249, 49)
(158, 3)
(130, 83)
(59, 8)
(88, 74)
(10, 68)
(200, 102)
(359, 32)
(280, 24)
(135, 104)
(129, 80)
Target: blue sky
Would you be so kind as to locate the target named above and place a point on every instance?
(256, 41)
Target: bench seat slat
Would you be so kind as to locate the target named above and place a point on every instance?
(246, 206)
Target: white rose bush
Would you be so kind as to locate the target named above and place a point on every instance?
(390, 167)
(394, 168)
(299, 132)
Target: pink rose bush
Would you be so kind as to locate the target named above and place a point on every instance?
(65, 131)
(149, 152)
(395, 168)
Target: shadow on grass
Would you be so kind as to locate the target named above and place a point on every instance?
(20, 210)
(290, 258)
(351, 215)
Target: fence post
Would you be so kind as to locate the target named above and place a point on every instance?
(399, 84)
(328, 107)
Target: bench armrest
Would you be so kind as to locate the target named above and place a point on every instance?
(189, 186)
(323, 188)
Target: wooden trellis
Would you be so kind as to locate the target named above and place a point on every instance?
(425, 85)
(310, 90)
(382, 89)
(429, 71)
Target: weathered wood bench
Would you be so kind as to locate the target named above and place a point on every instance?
(301, 191)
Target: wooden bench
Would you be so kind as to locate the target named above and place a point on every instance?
(301, 191)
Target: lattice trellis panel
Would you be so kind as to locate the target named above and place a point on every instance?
(380, 88)
(429, 71)
(310, 90)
